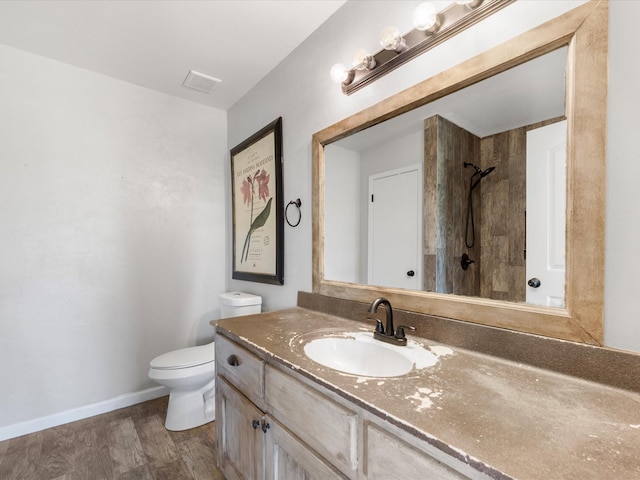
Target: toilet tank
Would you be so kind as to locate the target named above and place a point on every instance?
(236, 304)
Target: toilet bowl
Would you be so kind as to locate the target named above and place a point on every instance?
(189, 373)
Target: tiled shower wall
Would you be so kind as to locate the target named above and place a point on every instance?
(447, 147)
(499, 204)
(503, 220)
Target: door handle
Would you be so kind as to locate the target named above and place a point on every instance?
(534, 282)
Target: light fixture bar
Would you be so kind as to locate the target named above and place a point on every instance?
(453, 19)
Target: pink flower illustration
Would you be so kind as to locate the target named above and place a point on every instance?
(247, 190)
(261, 177)
(263, 184)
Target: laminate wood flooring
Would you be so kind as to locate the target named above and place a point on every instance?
(126, 444)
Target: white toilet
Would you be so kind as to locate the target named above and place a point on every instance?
(190, 372)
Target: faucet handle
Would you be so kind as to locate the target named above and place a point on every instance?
(400, 330)
(379, 326)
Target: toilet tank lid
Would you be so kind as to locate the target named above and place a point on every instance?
(239, 299)
(184, 357)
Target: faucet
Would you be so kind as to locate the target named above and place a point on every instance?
(387, 334)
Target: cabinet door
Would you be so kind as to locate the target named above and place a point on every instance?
(390, 457)
(287, 458)
(326, 426)
(239, 435)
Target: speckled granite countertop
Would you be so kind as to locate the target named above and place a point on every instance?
(516, 421)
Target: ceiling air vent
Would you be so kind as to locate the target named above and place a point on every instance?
(201, 82)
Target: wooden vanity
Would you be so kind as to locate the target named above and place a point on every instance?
(281, 415)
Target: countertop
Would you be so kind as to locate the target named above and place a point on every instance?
(507, 419)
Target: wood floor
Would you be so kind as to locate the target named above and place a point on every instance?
(126, 444)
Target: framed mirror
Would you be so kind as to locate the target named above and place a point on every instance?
(445, 152)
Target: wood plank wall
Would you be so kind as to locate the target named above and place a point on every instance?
(503, 221)
(447, 147)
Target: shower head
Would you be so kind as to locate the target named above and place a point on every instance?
(487, 171)
(475, 167)
(479, 171)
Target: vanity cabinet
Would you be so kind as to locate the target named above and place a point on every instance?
(273, 423)
(255, 445)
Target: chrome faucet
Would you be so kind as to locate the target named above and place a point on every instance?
(387, 334)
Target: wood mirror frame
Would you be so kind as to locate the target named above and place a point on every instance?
(585, 31)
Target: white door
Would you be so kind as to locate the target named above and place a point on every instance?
(546, 214)
(395, 228)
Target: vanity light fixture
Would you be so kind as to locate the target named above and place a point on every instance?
(425, 18)
(469, 3)
(341, 74)
(432, 28)
(362, 60)
(390, 39)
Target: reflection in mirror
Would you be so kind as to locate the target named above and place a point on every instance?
(465, 195)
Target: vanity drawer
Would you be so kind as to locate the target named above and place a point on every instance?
(241, 368)
(409, 457)
(324, 425)
(405, 460)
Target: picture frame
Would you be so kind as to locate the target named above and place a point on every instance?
(257, 207)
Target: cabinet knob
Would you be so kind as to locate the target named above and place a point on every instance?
(265, 426)
(410, 273)
(255, 424)
(233, 361)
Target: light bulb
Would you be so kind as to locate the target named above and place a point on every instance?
(425, 17)
(390, 39)
(362, 60)
(339, 73)
(469, 3)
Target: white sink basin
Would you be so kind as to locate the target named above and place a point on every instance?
(360, 354)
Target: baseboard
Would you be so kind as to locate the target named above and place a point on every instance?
(42, 423)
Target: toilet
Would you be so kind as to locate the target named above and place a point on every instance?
(189, 373)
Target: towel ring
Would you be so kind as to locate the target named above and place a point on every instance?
(297, 203)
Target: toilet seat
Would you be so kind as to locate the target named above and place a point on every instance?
(184, 358)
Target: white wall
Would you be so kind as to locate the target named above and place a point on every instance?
(343, 211)
(300, 91)
(622, 299)
(112, 238)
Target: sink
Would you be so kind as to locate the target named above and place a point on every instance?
(360, 354)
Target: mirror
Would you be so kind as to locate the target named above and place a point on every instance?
(484, 130)
(580, 38)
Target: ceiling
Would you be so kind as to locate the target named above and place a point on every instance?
(154, 43)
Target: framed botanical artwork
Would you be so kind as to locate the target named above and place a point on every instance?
(257, 203)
